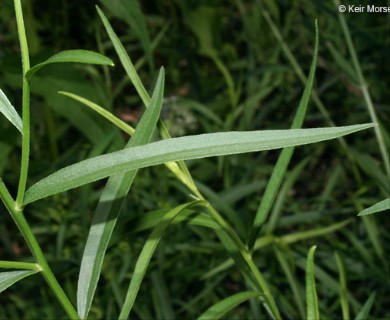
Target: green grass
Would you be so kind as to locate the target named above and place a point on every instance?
(230, 229)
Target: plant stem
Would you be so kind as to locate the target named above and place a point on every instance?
(246, 256)
(15, 207)
(25, 103)
(22, 224)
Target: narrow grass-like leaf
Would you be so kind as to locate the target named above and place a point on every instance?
(8, 278)
(285, 156)
(366, 94)
(292, 279)
(19, 265)
(146, 255)
(109, 207)
(219, 309)
(163, 299)
(304, 235)
(103, 112)
(130, 12)
(183, 148)
(151, 219)
(311, 292)
(378, 207)
(365, 311)
(125, 60)
(77, 56)
(9, 112)
(343, 287)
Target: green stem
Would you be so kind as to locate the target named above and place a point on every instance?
(25, 103)
(366, 94)
(22, 224)
(15, 207)
(246, 256)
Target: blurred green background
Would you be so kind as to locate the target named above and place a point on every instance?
(225, 70)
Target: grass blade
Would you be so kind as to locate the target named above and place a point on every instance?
(103, 112)
(364, 88)
(125, 60)
(343, 287)
(146, 255)
(77, 56)
(365, 311)
(219, 309)
(109, 207)
(9, 112)
(292, 279)
(130, 12)
(311, 292)
(183, 148)
(285, 156)
(8, 278)
(378, 207)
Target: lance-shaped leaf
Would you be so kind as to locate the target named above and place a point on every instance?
(365, 310)
(311, 292)
(103, 112)
(219, 309)
(378, 207)
(8, 278)
(125, 60)
(183, 148)
(78, 56)
(9, 112)
(130, 12)
(109, 206)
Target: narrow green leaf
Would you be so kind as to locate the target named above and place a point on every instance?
(103, 112)
(365, 311)
(219, 309)
(378, 207)
(109, 206)
(311, 292)
(19, 265)
(130, 12)
(288, 269)
(9, 112)
(151, 219)
(162, 296)
(8, 278)
(78, 56)
(343, 287)
(183, 148)
(304, 235)
(125, 60)
(285, 156)
(146, 255)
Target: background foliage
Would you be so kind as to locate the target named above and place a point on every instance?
(225, 70)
